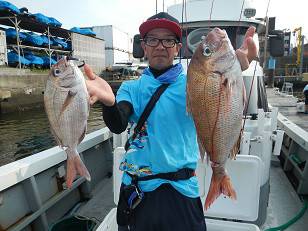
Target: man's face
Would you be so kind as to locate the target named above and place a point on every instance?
(160, 56)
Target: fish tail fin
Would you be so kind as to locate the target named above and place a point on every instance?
(217, 187)
(75, 166)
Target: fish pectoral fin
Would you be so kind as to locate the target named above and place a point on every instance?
(237, 145)
(59, 141)
(201, 148)
(82, 135)
(244, 95)
(68, 100)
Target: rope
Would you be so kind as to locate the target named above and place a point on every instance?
(186, 31)
(238, 24)
(182, 33)
(211, 11)
(252, 81)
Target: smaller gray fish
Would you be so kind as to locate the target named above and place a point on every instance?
(67, 106)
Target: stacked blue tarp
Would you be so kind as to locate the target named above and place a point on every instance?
(69, 46)
(13, 59)
(85, 31)
(46, 20)
(60, 42)
(46, 61)
(11, 35)
(34, 60)
(54, 22)
(45, 41)
(6, 6)
(41, 18)
(33, 39)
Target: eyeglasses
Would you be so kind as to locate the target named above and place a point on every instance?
(153, 42)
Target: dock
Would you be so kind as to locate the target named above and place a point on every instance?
(287, 107)
(4, 95)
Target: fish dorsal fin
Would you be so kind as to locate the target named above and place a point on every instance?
(68, 100)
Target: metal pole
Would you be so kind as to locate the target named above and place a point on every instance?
(18, 42)
(302, 57)
(265, 42)
(49, 51)
(156, 7)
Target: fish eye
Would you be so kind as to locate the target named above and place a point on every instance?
(207, 51)
(56, 72)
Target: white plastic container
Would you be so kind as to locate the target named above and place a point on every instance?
(245, 173)
(300, 107)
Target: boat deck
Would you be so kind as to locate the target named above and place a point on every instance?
(284, 203)
(287, 107)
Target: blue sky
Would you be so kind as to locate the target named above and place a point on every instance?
(128, 14)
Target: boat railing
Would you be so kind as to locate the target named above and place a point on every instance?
(294, 154)
(33, 191)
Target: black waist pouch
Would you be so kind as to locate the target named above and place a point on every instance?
(131, 195)
(130, 198)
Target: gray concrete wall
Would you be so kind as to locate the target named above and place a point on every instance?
(26, 90)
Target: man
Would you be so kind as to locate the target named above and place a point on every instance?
(168, 142)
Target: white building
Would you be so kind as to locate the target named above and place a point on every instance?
(118, 44)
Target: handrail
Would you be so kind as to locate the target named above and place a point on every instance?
(296, 133)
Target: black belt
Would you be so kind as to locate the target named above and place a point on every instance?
(181, 174)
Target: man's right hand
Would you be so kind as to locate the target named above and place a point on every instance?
(98, 88)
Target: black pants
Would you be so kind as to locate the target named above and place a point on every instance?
(306, 97)
(165, 209)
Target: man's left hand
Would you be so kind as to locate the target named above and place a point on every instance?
(248, 51)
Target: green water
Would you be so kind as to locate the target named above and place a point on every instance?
(26, 133)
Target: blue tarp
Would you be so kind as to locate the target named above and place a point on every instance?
(36, 60)
(11, 33)
(54, 22)
(41, 18)
(45, 40)
(57, 41)
(46, 61)
(34, 39)
(85, 31)
(47, 20)
(4, 5)
(13, 59)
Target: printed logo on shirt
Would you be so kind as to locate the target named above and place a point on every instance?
(134, 169)
(140, 140)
